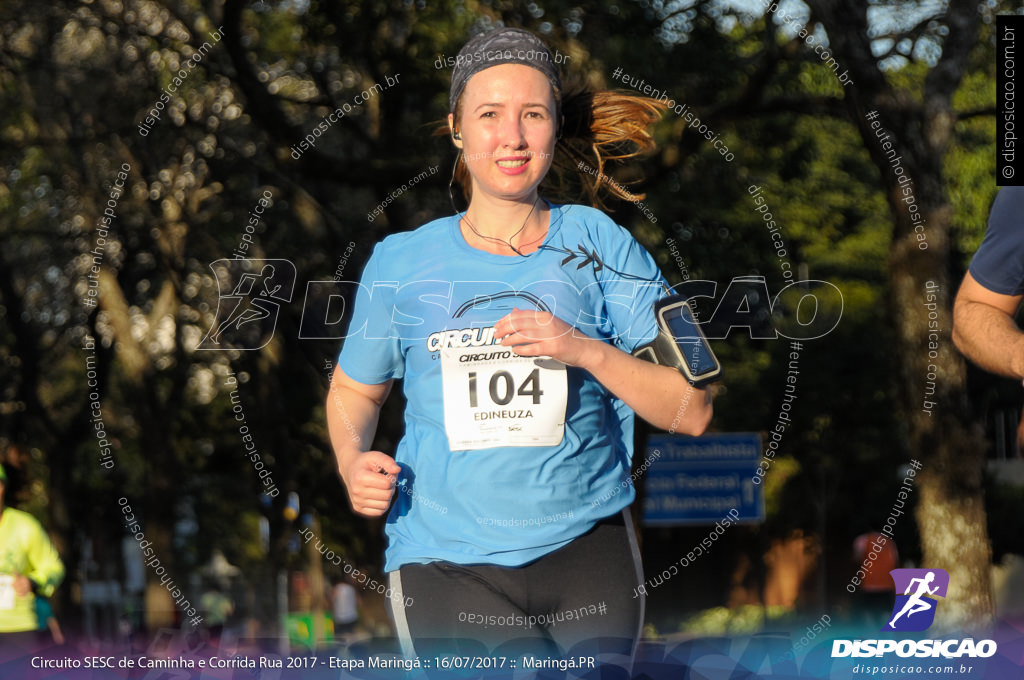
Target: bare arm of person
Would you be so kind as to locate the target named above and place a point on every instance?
(984, 329)
(352, 412)
(658, 394)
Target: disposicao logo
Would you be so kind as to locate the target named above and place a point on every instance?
(914, 611)
(247, 315)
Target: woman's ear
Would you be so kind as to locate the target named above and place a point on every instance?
(456, 137)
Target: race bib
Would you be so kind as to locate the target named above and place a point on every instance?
(6, 592)
(492, 397)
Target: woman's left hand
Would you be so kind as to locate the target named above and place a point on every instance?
(22, 586)
(532, 333)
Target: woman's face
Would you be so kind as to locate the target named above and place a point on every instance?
(507, 124)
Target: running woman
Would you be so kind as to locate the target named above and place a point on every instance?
(511, 326)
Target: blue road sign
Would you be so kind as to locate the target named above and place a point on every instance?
(698, 480)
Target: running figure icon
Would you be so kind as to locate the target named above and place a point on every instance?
(915, 609)
(250, 309)
(251, 295)
(917, 603)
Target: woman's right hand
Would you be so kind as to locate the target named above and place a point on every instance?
(370, 481)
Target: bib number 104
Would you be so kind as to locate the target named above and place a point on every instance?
(502, 387)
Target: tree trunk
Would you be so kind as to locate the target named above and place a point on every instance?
(949, 494)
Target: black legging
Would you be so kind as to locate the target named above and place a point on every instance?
(577, 598)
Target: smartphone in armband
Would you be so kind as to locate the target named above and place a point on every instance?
(681, 343)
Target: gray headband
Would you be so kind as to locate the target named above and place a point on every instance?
(501, 46)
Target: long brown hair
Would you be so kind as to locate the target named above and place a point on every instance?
(599, 126)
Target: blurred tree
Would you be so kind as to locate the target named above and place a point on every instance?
(920, 119)
(78, 80)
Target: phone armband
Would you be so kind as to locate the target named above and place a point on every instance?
(680, 343)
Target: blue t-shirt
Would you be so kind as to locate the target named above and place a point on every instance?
(999, 263)
(426, 290)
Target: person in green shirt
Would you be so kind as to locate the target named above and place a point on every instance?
(29, 565)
